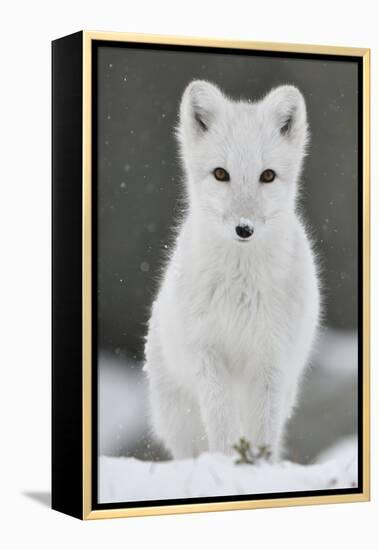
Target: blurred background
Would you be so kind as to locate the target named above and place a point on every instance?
(139, 187)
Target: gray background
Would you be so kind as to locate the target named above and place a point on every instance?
(139, 187)
(139, 172)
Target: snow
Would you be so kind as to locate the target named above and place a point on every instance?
(145, 267)
(345, 447)
(338, 352)
(122, 414)
(321, 442)
(129, 479)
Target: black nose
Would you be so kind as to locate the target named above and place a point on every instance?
(244, 231)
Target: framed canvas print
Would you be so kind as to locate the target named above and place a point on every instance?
(210, 275)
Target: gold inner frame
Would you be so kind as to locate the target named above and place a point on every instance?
(364, 54)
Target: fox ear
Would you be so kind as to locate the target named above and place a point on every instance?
(200, 106)
(286, 105)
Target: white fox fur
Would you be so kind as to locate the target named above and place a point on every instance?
(234, 321)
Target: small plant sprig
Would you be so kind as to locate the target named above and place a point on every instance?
(247, 455)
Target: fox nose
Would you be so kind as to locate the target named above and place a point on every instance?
(244, 231)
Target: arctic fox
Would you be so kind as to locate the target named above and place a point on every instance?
(236, 314)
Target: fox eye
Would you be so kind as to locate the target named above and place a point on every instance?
(267, 176)
(221, 175)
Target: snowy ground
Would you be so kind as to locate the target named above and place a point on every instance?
(215, 475)
(321, 440)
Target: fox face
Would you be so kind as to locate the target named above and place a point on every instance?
(242, 160)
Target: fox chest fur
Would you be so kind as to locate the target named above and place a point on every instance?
(228, 313)
(245, 304)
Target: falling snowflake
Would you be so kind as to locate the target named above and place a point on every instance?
(145, 267)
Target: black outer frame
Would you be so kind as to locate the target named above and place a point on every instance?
(67, 408)
(67, 400)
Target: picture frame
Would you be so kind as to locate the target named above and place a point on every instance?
(75, 176)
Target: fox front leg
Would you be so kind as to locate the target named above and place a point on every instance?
(270, 414)
(216, 403)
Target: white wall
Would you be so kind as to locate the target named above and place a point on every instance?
(27, 28)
